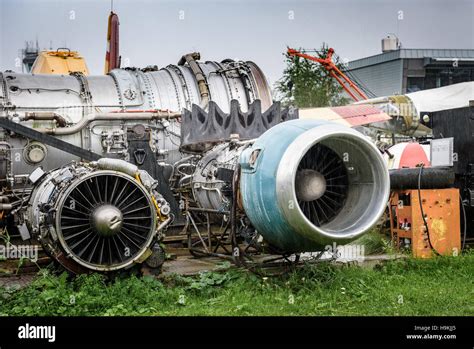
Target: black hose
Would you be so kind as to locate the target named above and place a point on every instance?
(238, 260)
(463, 245)
(422, 212)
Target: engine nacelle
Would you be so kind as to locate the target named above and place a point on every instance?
(308, 183)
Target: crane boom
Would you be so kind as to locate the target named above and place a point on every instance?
(347, 84)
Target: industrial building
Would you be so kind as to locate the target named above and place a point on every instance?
(400, 70)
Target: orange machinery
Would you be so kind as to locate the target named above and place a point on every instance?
(441, 208)
(347, 84)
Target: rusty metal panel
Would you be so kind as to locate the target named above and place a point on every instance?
(442, 211)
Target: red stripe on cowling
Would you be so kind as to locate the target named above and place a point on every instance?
(360, 114)
(356, 110)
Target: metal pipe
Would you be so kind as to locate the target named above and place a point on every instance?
(207, 210)
(163, 224)
(108, 117)
(5, 207)
(198, 232)
(60, 120)
(116, 165)
(180, 183)
(375, 100)
(185, 159)
(217, 190)
(191, 58)
(212, 254)
(185, 165)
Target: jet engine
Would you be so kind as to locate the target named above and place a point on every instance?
(101, 216)
(303, 184)
(306, 184)
(107, 210)
(190, 144)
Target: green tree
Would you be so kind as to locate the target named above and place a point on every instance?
(307, 84)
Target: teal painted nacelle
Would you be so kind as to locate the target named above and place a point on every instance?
(307, 183)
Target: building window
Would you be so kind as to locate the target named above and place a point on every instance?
(415, 84)
(437, 77)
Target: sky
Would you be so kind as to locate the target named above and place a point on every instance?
(160, 32)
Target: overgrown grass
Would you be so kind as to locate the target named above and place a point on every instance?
(374, 242)
(439, 286)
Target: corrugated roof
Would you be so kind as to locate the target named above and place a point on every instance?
(411, 53)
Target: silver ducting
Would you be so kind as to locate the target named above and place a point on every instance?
(98, 112)
(172, 88)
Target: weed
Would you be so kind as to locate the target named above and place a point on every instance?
(438, 286)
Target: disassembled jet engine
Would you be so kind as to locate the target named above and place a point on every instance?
(97, 167)
(102, 216)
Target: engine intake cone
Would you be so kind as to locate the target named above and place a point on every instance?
(310, 185)
(107, 220)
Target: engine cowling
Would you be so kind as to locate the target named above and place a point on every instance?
(308, 183)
